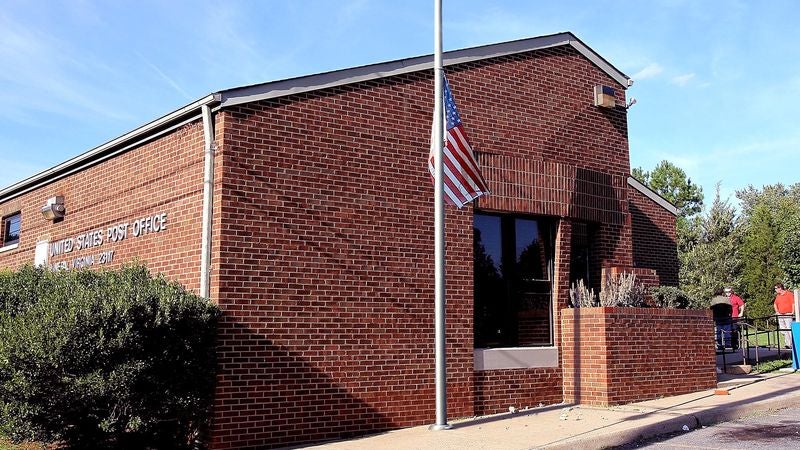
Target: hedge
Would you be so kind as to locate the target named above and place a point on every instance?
(112, 359)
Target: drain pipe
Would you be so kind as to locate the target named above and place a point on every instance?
(208, 193)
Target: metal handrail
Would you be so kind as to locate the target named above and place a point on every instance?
(773, 328)
(748, 334)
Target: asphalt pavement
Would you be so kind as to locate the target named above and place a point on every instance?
(776, 430)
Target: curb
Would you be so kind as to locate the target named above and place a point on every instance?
(623, 437)
(723, 413)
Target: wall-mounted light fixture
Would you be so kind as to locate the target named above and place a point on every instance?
(54, 208)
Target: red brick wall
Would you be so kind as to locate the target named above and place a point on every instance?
(561, 274)
(539, 169)
(497, 390)
(620, 355)
(654, 241)
(163, 176)
(326, 272)
(541, 108)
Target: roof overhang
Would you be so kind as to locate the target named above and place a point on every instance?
(275, 89)
(652, 195)
(264, 91)
(145, 133)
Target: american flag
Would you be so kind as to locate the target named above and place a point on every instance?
(462, 178)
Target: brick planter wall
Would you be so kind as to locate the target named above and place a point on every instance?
(613, 356)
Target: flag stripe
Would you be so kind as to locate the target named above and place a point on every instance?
(460, 171)
(465, 157)
(459, 140)
(453, 195)
(455, 170)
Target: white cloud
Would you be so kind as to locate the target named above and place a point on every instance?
(779, 146)
(232, 44)
(736, 165)
(690, 163)
(649, 71)
(682, 80)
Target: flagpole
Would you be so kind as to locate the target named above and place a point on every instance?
(439, 300)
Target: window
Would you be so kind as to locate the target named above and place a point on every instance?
(11, 229)
(513, 281)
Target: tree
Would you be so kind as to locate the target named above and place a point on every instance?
(104, 359)
(710, 262)
(760, 254)
(771, 246)
(671, 182)
(790, 251)
(775, 196)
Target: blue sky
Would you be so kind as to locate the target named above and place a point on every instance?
(717, 83)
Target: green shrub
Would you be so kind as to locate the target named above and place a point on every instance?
(670, 297)
(115, 359)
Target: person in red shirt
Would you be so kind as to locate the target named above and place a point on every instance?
(737, 315)
(737, 303)
(784, 308)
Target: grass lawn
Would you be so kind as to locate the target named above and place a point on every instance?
(771, 366)
(765, 339)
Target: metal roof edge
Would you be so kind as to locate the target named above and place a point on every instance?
(652, 195)
(309, 83)
(90, 157)
(601, 62)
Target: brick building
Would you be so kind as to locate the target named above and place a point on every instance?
(304, 208)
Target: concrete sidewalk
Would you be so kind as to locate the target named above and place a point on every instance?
(582, 427)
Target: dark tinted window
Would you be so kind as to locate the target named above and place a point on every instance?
(11, 226)
(513, 260)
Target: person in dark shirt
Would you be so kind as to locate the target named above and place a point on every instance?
(721, 310)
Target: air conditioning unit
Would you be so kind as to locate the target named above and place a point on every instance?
(604, 96)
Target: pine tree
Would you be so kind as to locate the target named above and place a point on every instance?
(771, 247)
(671, 182)
(761, 261)
(710, 262)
